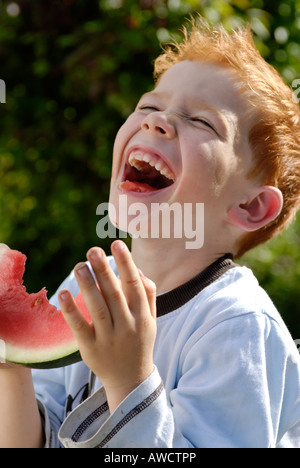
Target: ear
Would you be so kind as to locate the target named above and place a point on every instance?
(263, 207)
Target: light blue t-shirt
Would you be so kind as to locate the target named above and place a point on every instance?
(227, 374)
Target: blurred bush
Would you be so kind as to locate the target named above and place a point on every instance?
(74, 70)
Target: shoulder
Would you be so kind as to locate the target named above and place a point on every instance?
(233, 321)
(235, 308)
(237, 293)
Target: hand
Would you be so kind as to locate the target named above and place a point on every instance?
(118, 345)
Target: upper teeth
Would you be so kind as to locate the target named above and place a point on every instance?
(153, 160)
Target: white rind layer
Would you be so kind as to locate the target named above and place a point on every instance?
(25, 356)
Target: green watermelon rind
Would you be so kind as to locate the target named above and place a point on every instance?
(27, 359)
(60, 362)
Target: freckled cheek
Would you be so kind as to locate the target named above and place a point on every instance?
(215, 162)
(205, 171)
(220, 172)
(225, 176)
(200, 163)
(196, 184)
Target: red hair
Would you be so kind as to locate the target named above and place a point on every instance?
(275, 136)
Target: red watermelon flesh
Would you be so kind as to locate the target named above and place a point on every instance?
(33, 331)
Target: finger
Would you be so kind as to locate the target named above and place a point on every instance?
(93, 298)
(79, 326)
(132, 284)
(150, 288)
(110, 285)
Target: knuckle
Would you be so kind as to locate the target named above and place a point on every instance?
(115, 296)
(133, 282)
(78, 324)
(100, 313)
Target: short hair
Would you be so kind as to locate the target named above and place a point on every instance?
(275, 135)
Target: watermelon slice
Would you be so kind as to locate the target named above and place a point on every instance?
(32, 331)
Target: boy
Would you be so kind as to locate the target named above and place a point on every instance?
(217, 367)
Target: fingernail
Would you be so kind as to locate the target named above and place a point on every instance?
(64, 295)
(81, 269)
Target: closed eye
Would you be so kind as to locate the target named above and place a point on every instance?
(151, 108)
(196, 119)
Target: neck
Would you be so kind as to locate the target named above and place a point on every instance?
(168, 263)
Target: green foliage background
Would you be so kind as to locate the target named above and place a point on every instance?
(74, 70)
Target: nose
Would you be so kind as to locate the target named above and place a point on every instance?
(159, 123)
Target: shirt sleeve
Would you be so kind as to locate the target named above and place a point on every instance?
(51, 398)
(234, 382)
(143, 419)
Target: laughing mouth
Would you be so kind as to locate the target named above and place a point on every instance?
(146, 172)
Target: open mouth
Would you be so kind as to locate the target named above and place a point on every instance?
(146, 172)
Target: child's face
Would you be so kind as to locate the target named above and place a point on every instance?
(191, 128)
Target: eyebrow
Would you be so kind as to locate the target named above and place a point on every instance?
(199, 103)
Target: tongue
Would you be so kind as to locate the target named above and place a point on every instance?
(136, 187)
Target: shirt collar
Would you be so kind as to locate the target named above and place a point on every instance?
(172, 300)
